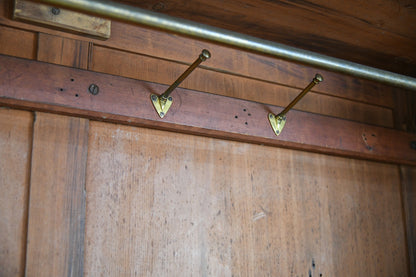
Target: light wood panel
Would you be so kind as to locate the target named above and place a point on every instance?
(15, 150)
(63, 51)
(166, 204)
(18, 43)
(57, 196)
(151, 69)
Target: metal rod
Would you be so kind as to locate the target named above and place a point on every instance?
(143, 17)
(316, 80)
(204, 55)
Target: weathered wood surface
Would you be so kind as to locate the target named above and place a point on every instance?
(65, 90)
(63, 51)
(168, 204)
(68, 20)
(17, 43)
(15, 153)
(408, 178)
(57, 196)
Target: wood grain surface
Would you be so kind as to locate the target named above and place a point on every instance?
(57, 196)
(161, 203)
(18, 43)
(408, 178)
(65, 90)
(15, 153)
(63, 51)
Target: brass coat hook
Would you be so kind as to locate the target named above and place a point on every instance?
(163, 102)
(278, 121)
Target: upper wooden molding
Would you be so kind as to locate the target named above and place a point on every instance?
(58, 18)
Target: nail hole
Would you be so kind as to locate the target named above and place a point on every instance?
(313, 263)
(249, 114)
(246, 123)
(72, 79)
(373, 135)
(76, 95)
(236, 116)
(61, 89)
(244, 110)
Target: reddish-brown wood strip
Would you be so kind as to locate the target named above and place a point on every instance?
(408, 179)
(165, 72)
(57, 196)
(65, 90)
(15, 149)
(17, 43)
(63, 51)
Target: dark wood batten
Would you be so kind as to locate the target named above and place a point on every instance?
(127, 101)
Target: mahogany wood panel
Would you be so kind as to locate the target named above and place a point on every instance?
(15, 149)
(376, 33)
(63, 51)
(165, 72)
(65, 90)
(167, 204)
(17, 43)
(185, 50)
(408, 177)
(57, 196)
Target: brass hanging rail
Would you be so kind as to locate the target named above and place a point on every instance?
(136, 15)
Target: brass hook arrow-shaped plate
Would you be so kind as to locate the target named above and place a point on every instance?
(163, 102)
(277, 122)
(161, 105)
